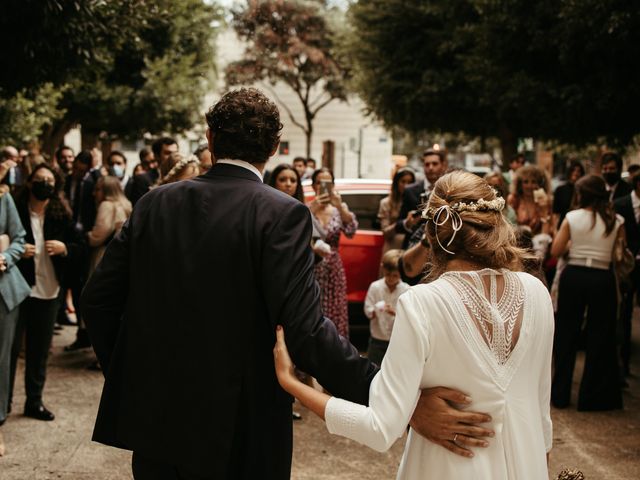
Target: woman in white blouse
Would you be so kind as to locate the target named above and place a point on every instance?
(113, 211)
(481, 325)
(587, 284)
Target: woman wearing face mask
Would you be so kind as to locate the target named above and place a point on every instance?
(50, 241)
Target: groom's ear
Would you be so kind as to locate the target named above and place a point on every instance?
(210, 136)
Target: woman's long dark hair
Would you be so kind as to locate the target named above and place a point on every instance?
(592, 192)
(396, 197)
(57, 207)
(299, 195)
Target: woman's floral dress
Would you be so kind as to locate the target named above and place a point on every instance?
(330, 274)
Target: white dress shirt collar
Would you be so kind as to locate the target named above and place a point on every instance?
(243, 164)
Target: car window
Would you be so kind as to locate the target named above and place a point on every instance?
(365, 206)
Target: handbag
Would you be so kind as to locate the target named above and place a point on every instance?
(623, 264)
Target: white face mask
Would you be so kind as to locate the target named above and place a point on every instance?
(118, 170)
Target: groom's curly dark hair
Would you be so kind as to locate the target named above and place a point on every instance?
(245, 124)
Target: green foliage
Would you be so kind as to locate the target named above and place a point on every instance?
(554, 69)
(24, 115)
(132, 66)
(155, 81)
(55, 40)
(290, 42)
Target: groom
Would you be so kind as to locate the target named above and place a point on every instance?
(182, 314)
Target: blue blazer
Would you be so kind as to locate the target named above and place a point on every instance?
(13, 287)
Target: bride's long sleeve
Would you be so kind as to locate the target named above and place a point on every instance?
(394, 392)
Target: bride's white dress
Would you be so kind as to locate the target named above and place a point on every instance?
(488, 334)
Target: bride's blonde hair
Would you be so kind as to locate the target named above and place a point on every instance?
(481, 235)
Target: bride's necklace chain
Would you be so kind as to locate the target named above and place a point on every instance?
(501, 315)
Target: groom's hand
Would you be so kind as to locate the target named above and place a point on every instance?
(437, 420)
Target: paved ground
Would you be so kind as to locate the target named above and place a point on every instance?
(603, 445)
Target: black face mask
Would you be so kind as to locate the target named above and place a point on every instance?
(42, 190)
(611, 177)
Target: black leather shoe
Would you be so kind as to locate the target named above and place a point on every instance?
(78, 344)
(38, 412)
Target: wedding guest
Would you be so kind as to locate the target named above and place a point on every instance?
(380, 305)
(481, 322)
(530, 199)
(113, 210)
(117, 163)
(515, 164)
(434, 164)
(13, 290)
(203, 155)
(612, 173)
(632, 170)
(335, 219)
(496, 180)
(64, 156)
(138, 169)
(286, 179)
(162, 148)
(563, 196)
(12, 166)
(300, 165)
(389, 209)
(78, 266)
(311, 167)
(587, 284)
(629, 208)
(177, 167)
(50, 241)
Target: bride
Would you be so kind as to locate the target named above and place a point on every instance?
(481, 325)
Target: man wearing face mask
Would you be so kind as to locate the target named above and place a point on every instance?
(117, 163)
(612, 172)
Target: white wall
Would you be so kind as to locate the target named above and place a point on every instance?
(339, 122)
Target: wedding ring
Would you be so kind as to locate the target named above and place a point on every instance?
(454, 439)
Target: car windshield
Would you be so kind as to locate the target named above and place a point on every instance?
(365, 206)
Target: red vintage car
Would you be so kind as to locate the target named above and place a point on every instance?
(360, 254)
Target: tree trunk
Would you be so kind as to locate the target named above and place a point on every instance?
(508, 145)
(53, 136)
(89, 140)
(308, 133)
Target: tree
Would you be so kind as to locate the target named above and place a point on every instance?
(125, 67)
(290, 42)
(24, 115)
(552, 69)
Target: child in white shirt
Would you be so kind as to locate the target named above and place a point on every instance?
(380, 305)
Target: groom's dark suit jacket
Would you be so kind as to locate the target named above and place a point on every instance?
(182, 311)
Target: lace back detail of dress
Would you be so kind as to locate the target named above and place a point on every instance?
(496, 309)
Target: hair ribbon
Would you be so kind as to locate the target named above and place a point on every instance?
(449, 215)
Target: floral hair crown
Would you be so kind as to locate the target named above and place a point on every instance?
(441, 215)
(481, 205)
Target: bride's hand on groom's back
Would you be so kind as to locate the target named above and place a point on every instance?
(437, 420)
